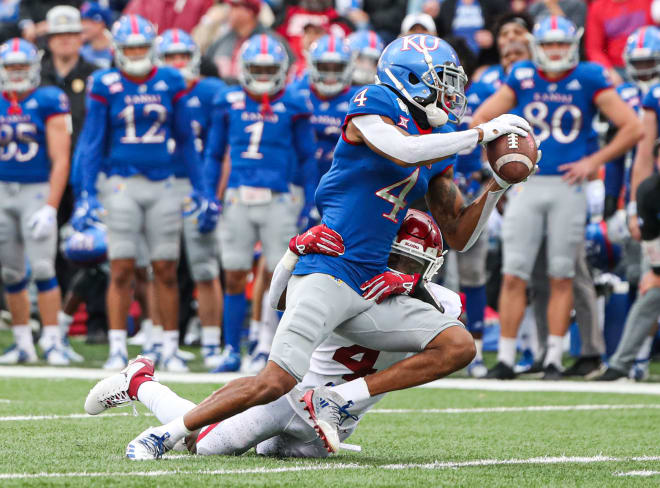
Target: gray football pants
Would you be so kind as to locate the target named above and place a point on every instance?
(643, 315)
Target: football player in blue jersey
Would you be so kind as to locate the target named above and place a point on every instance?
(366, 46)
(134, 111)
(511, 34)
(559, 96)
(261, 121)
(177, 49)
(35, 135)
(395, 147)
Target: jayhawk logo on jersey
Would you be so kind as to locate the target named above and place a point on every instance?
(559, 111)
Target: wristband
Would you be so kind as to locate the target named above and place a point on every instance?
(503, 184)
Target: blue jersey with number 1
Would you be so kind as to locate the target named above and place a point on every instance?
(560, 111)
(23, 150)
(364, 196)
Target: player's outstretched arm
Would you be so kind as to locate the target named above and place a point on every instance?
(501, 102)
(58, 136)
(460, 224)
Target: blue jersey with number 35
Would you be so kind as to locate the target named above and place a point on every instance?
(364, 196)
(23, 151)
(560, 111)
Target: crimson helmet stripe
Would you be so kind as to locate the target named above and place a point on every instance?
(372, 39)
(264, 44)
(16, 42)
(640, 39)
(332, 47)
(175, 36)
(134, 24)
(553, 22)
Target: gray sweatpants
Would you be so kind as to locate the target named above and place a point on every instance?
(643, 315)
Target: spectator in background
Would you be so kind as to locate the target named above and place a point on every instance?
(575, 10)
(98, 43)
(470, 19)
(311, 33)
(383, 16)
(609, 23)
(243, 23)
(418, 24)
(32, 16)
(9, 19)
(170, 14)
(301, 14)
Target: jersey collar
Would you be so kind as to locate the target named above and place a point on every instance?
(139, 81)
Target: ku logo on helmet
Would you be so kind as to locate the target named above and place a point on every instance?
(420, 43)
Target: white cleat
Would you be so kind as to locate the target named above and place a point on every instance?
(257, 363)
(212, 356)
(71, 353)
(115, 362)
(56, 356)
(116, 391)
(174, 364)
(326, 409)
(150, 444)
(14, 355)
(186, 355)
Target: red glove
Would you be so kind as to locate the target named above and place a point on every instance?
(320, 239)
(389, 283)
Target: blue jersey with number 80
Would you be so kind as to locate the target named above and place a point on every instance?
(560, 111)
(364, 196)
(23, 150)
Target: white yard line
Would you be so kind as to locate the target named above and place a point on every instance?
(337, 466)
(48, 372)
(638, 473)
(532, 408)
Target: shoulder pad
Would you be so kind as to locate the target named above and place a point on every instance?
(523, 72)
(110, 78)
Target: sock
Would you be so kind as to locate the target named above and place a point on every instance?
(506, 351)
(233, 316)
(479, 345)
(268, 328)
(255, 328)
(211, 336)
(555, 351)
(117, 339)
(177, 429)
(64, 321)
(170, 343)
(163, 402)
(23, 338)
(51, 336)
(156, 335)
(645, 351)
(146, 328)
(475, 305)
(355, 390)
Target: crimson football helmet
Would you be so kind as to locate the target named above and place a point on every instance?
(419, 238)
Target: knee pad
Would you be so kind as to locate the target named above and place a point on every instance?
(12, 277)
(43, 270)
(46, 285)
(16, 287)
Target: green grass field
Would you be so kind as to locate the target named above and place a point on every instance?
(580, 445)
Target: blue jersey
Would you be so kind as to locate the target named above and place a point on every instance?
(493, 75)
(261, 139)
(617, 172)
(476, 94)
(559, 111)
(23, 150)
(199, 101)
(364, 196)
(130, 124)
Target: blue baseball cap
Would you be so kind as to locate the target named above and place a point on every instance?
(95, 11)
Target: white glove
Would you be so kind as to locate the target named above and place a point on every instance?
(43, 222)
(504, 124)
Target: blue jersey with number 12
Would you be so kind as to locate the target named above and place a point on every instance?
(364, 196)
(560, 111)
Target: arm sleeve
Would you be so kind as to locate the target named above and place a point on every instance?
(595, 42)
(185, 138)
(304, 140)
(281, 277)
(91, 143)
(216, 144)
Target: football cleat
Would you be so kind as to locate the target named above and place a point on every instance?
(501, 371)
(14, 355)
(115, 362)
(257, 363)
(525, 363)
(477, 369)
(56, 356)
(230, 363)
(150, 444)
(153, 353)
(119, 389)
(70, 352)
(612, 374)
(325, 411)
(185, 355)
(552, 373)
(586, 366)
(174, 364)
(212, 356)
(640, 370)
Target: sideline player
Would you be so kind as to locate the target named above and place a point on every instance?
(378, 167)
(366, 46)
(34, 168)
(132, 113)
(177, 49)
(282, 428)
(559, 96)
(261, 121)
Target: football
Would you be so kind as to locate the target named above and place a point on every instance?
(512, 157)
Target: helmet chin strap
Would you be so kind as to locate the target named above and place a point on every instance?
(435, 115)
